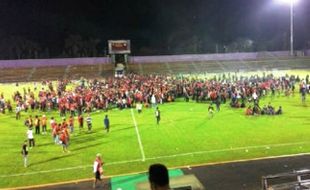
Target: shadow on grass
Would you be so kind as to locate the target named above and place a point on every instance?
(45, 144)
(121, 129)
(52, 159)
(87, 146)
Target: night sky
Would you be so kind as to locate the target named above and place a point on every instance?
(52, 28)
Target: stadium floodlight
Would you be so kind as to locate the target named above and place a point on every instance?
(287, 1)
(291, 3)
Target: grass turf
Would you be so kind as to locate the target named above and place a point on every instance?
(186, 136)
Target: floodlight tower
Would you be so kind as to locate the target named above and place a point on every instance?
(291, 3)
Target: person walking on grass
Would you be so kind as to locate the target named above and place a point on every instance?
(64, 138)
(80, 121)
(30, 138)
(17, 111)
(157, 115)
(29, 122)
(89, 122)
(97, 169)
(71, 124)
(44, 122)
(25, 153)
(37, 124)
(211, 111)
(139, 107)
(106, 122)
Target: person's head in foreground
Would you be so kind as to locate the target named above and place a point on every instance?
(158, 177)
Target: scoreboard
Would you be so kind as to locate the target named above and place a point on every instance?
(119, 46)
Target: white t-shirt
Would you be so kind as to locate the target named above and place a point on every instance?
(153, 99)
(254, 96)
(30, 134)
(139, 106)
(95, 166)
(52, 121)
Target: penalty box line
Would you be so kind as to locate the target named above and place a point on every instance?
(168, 156)
(138, 135)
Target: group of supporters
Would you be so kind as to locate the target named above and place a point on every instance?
(77, 98)
(266, 110)
(146, 91)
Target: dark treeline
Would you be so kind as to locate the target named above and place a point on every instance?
(51, 29)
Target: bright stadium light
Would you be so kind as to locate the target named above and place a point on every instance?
(291, 3)
(287, 1)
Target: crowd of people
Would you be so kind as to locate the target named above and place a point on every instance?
(75, 99)
(147, 91)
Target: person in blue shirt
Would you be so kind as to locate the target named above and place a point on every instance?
(106, 122)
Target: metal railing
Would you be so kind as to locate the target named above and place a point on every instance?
(295, 180)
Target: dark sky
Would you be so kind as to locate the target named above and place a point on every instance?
(156, 26)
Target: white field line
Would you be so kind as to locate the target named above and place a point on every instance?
(138, 135)
(167, 156)
(69, 168)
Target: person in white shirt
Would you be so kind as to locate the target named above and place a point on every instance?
(89, 122)
(97, 169)
(139, 107)
(17, 111)
(153, 101)
(30, 138)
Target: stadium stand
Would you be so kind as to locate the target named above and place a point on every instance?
(53, 69)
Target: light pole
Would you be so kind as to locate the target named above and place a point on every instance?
(291, 3)
(292, 27)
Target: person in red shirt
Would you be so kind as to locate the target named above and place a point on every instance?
(57, 133)
(64, 140)
(71, 124)
(81, 122)
(64, 124)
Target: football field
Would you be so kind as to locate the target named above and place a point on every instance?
(186, 135)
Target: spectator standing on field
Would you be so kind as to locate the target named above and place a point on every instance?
(211, 111)
(81, 121)
(17, 111)
(157, 115)
(30, 138)
(37, 124)
(71, 124)
(25, 153)
(44, 122)
(97, 169)
(64, 138)
(89, 122)
(139, 107)
(153, 101)
(29, 122)
(106, 122)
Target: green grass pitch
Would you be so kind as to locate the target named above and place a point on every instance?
(186, 136)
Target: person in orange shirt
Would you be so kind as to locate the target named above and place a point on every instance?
(64, 123)
(43, 122)
(37, 124)
(64, 138)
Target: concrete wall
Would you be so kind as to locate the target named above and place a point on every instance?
(145, 59)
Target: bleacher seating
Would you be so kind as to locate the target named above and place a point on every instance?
(14, 75)
(106, 70)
